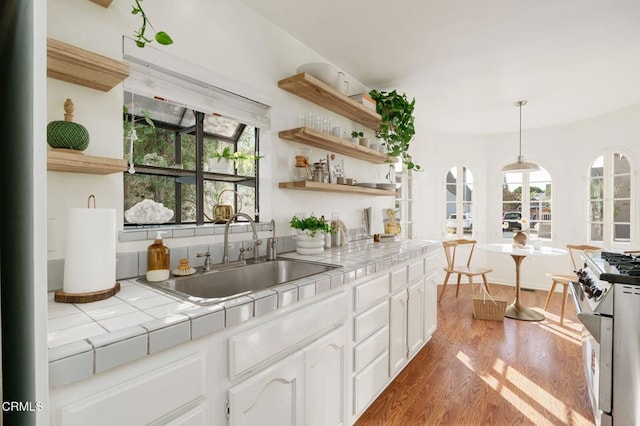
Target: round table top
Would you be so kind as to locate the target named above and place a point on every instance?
(508, 248)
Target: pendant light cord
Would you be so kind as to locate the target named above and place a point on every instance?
(520, 135)
(519, 104)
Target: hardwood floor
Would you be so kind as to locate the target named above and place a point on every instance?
(476, 372)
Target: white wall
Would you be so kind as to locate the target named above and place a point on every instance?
(565, 151)
(226, 37)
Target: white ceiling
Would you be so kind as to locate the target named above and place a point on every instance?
(467, 61)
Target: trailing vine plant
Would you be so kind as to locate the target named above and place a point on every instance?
(141, 40)
(397, 127)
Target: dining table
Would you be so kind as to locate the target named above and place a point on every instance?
(517, 310)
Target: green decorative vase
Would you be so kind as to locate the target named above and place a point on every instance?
(67, 134)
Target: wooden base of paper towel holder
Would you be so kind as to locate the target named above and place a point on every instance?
(62, 297)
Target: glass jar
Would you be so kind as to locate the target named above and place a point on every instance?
(301, 168)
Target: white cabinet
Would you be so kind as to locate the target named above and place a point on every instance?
(430, 306)
(392, 306)
(273, 396)
(406, 325)
(415, 317)
(368, 383)
(398, 314)
(156, 390)
(326, 380)
(308, 385)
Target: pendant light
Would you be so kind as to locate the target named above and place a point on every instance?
(520, 165)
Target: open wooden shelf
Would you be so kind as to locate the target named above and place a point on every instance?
(308, 185)
(77, 162)
(331, 143)
(79, 66)
(314, 90)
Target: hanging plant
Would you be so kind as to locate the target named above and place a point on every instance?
(141, 40)
(397, 127)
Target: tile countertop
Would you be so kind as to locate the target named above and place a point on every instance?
(87, 339)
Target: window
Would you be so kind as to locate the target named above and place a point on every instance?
(533, 212)
(174, 163)
(610, 199)
(459, 203)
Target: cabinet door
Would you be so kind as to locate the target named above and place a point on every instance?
(415, 317)
(430, 306)
(397, 331)
(325, 379)
(274, 396)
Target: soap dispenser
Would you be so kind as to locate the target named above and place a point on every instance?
(158, 260)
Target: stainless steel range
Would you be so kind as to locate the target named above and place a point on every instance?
(607, 297)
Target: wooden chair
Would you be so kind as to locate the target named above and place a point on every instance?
(450, 249)
(574, 250)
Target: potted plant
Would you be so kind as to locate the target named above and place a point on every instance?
(226, 161)
(355, 136)
(311, 234)
(397, 127)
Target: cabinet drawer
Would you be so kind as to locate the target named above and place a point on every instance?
(398, 278)
(367, 294)
(370, 349)
(368, 384)
(259, 345)
(415, 270)
(368, 322)
(142, 399)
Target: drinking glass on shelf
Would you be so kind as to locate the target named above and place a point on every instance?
(301, 120)
(309, 120)
(326, 125)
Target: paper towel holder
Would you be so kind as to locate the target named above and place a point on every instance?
(61, 296)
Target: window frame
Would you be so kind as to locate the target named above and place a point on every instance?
(608, 199)
(460, 202)
(526, 204)
(199, 174)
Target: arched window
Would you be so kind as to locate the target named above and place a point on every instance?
(532, 211)
(459, 189)
(610, 200)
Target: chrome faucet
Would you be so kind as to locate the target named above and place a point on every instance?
(225, 256)
(271, 243)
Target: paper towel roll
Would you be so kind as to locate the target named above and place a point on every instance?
(90, 261)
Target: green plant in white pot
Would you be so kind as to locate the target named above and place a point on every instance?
(397, 127)
(311, 231)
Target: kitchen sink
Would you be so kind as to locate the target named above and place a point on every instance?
(218, 286)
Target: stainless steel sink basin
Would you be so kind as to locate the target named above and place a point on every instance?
(217, 286)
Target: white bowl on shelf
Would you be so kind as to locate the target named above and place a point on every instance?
(326, 73)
